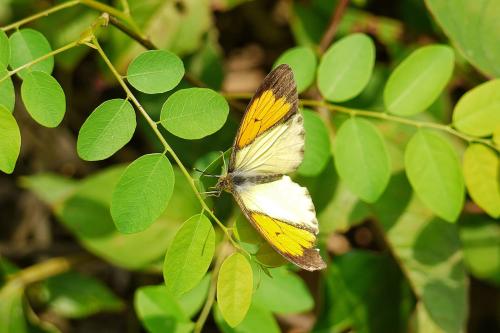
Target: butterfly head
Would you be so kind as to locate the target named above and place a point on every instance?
(225, 183)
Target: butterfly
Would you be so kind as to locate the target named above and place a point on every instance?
(268, 145)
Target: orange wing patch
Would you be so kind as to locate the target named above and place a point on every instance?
(265, 111)
(283, 236)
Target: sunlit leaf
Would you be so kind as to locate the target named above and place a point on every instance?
(417, 81)
(155, 71)
(11, 309)
(108, 128)
(472, 26)
(317, 150)
(27, 45)
(44, 98)
(234, 288)
(481, 172)
(65, 297)
(481, 244)
(190, 255)
(4, 50)
(192, 301)
(10, 140)
(159, 311)
(257, 319)
(434, 172)
(7, 93)
(429, 252)
(477, 111)
(194, 113)
(303, 62)
(361, 158)
(283, 292)
(346, 67)
(142, 193)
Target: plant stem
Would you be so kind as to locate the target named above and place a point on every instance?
(154, 127)
(401, 120)
(42, 58)
(43, 13)
(113, 12)
(46, 269)
(333, 26)
(202, 318)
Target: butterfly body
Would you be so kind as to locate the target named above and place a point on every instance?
(270, 144)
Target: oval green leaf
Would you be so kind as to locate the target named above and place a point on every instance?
(361, 158)
(234, 288)
(481, 173)
(65, 297)
(7, 93)
(190, 255)
(346, 67)
(4, 50)
(284, 292)
(27, 45)
(417, 82)
(474, 28)
(317, 148)
(194, 113)
(478, 111)
(44, 98)
(159, 311)
(10, 141)
(155, 71)
(434, 173)
(108, 128)
(303, 62)
(142, 193)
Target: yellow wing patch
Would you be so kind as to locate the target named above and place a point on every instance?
(286, 238)
(265, 111)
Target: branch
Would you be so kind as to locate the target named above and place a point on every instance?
(332, 26)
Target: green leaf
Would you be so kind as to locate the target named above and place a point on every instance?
(284, 292)
(108, 128)
(417, 81)
(361, 158)
(194, 113)
(346, 67)
(190, 255)
(317, 150)
(481, 244)
(4, 50)
(65, 297)
(476, 113)
(142, 193)
(234, 288)
(496, 136)
(434, 172)
(159, 311)
(268, 256)
(192, 301)
(7, 93)
(44, 98)
(11, 309)
(474, 29)
(27, 45)
(10, 141)
(257, 319)
(481, 173)
(51, 188)
(430, 254)
(350, 299)
(155, 71)
(303, 62)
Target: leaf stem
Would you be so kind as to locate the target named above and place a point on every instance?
(42, 58)
(46, 269)
(154, 127)
(43, 13)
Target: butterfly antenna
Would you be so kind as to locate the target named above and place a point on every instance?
(223, 161)
(203, 173)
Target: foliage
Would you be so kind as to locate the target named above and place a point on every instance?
(391, 151)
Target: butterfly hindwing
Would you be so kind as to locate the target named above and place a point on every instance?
(283, 213)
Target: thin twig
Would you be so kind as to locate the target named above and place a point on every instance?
(332, 26)
(145, 42)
